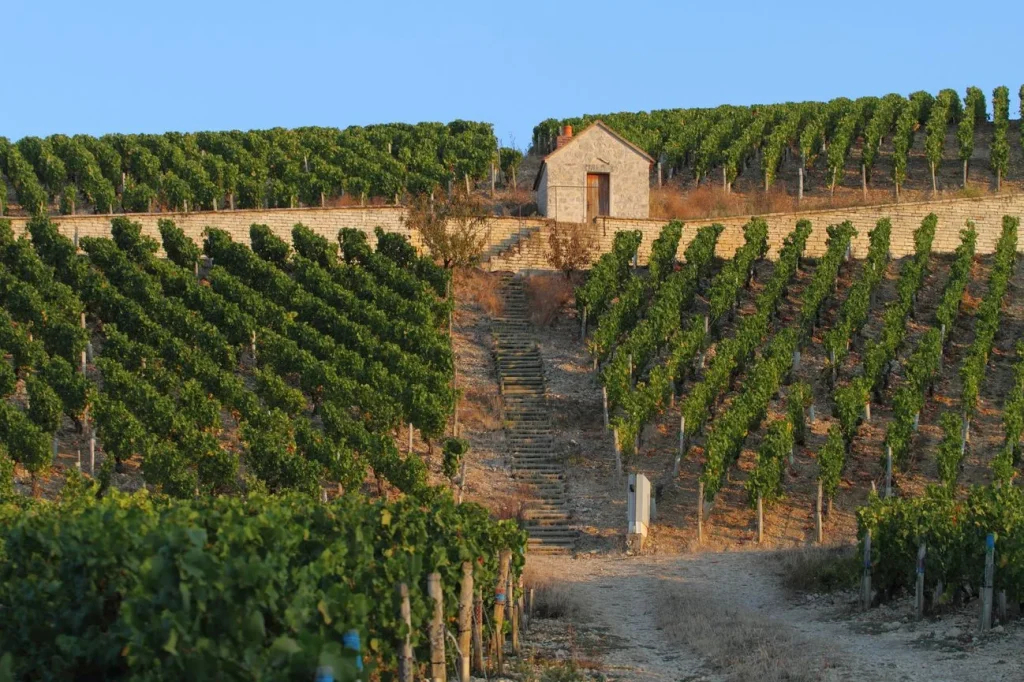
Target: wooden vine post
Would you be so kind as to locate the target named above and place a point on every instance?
(437, 663)
(986, 588)
(478, 633)
(498, 623)
(682, 445)
(604, 402)
(405, 662)
(760, 519)
(888, 471)
(865, 581)
(513, 614)
(700, 512)
(465, 620)
(819, 531)
(919, 592)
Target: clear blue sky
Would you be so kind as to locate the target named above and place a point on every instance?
(97, 67)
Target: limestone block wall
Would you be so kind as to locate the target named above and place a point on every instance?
(505, 252)
(987, 214)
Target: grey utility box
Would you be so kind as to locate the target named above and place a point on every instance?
(638, 509)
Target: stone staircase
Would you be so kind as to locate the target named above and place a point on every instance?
(509, 244)
(528, 425)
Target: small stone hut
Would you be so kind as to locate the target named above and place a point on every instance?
(594, 173)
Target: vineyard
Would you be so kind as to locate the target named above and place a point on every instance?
(887, 387)
(840, 141)
(244, 388)
(255, 169)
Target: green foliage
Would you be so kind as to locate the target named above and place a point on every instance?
(608, 276)
(880, 351)
(974, 111)
(831, 460)
(181, 250)
(799, 399)
(850, 127)
(138, 197)
(913, 113)
(452, 453)
(7, 492)
(670, 304)
(8, 379)
(26, 443)
(823, 283)
(853, 312)
(269, 246)
(663, 252)
(999, 150)
(261, 564)
(953, 529)
(766, 479)
(959, 273)
(881, 123)
(972, 368)
(950, 452)
(947, 109)
(278, 395)
(44, 405)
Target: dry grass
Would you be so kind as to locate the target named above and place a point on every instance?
(547, 294)
(553, 597)
(480, 410)
(512, 505)
(740, 643)
(481, 289)
(819, 569)
(711, 201)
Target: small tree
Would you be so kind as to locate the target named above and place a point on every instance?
(570, 247)
(454, 228)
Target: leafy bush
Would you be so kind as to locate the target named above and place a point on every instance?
(765, 480)
(831, 460)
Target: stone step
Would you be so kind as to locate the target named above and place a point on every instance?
(557, 530)
(543, 521)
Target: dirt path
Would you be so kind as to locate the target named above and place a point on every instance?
(725, 616)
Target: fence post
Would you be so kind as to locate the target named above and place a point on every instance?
(513, 615)
(760, 520)
(920, 581)
(437, 662)
(700, 512)
(986, 589)
(465, 620)
(888, 471)
(819, 530)
(618, 452)
(478, 633)
(865, 581)
(604, 399)
(583, 326)
(498, 623)
(682, 445)
(405, 662)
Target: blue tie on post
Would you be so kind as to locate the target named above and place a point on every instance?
(351, 641)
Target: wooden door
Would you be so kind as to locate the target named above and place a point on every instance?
(598, 196)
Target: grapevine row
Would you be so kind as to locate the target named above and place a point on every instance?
(664, 316)
(922, 367)
(729, 430)
(647, 398)
(851, 399)
(853, 312)
(636, 295)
